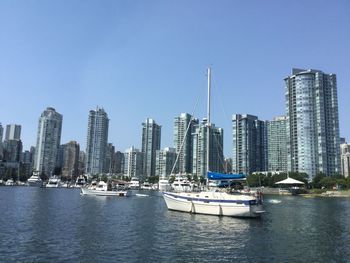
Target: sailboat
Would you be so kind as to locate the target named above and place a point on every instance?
(215, 202)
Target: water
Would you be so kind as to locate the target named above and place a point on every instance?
(59, 225)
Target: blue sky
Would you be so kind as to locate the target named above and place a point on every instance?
(140, 59)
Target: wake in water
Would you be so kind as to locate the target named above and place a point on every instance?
(275, 201)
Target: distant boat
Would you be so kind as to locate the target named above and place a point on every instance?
(164, 185)
(181, 184)
(212, 202)
(101, 189)
(134, 183)
(54, 182)
(35, 180)
(9, 182)
(146, 186)
(80, 182)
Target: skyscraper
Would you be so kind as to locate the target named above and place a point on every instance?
(70, 160)
(48, 141)
(277, 144)
(165, 160)
(345, 159)
(96, 145)
(151, 136)
(1, 132)
(216, 151)
(13, 132)
(133, 166)
(184, 126)
(249, 144)
(312, 122)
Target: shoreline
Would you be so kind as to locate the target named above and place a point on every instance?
(327, 193)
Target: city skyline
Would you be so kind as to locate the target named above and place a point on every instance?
(143, 60)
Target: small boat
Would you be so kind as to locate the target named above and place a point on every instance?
(275, 201)
(164, 185)
(35, 180)
(181, 184)
(134, 183)
(146, 186)
(9, 182)
(54, 182)
(101, 189)
(80, 182)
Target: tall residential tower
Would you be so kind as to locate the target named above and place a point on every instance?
(312, 122)
(96, 145)
(249, 144)
(151, 135)
(48, 141)
(184, 126)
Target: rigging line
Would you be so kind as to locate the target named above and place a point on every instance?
(183, 140)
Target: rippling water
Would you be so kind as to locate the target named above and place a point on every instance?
(51, 225)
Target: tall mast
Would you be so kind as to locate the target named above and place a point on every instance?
(208, 117)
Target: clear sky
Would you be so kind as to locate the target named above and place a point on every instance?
(140, 59)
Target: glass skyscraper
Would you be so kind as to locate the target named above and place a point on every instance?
(249, 144)
(183, 142)
(151, 136)
(97, 137)
(216, 151)
(277, 144)
(312, 122)
(48, 141)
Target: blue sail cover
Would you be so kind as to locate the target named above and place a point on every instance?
(220, 176)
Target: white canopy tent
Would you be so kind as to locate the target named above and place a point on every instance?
(290, 181)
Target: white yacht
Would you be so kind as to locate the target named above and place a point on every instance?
(35, 180)
(134, 183)
(80, 182)
(164, 185)
(181, 184)
(213, 202)
(54, 182)
(101, 189)
(146, 186)
(9, 182)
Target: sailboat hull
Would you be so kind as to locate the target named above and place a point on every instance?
(215, 204)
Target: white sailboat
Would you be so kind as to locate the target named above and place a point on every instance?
(213, 202)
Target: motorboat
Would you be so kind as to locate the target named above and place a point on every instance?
(181, 184)
(215, 202)
(54, 182)
(9, 182)
(35, 180)
(102, 189)
(134, 183)
(80, 182)
(146, 186)
(164, 185)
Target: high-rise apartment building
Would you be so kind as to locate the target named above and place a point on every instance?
(312, 122)
(48, 141)
(133, 163)
(110, 159)
(1, 132)
(165, 160)
(119, 162)
(96, 145)
(216, 151)
(184, 126)
(277, 144)
(151, 136)
(70, 160)
(249, 144)
(13, 132)
(345, 159)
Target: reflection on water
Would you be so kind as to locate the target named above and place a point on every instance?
(50, 225)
